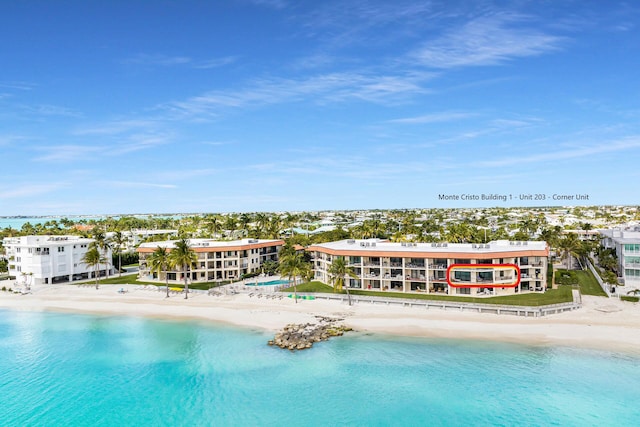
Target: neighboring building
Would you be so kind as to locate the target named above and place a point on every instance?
(627, 246)
(133, 238)
(50, 259)
(583, 235)
(217, 260)
(425, 267)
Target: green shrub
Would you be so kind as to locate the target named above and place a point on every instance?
(630, 299)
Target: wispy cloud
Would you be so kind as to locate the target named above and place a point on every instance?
(445, 116)
(215, 62)
(276, 4)
(17, 85)
(136, 184)
(486, 40)
(332, 87)
(160, 60)
(363, 21)
(115, 127)
(50, 110)
(137, 142)
(157, 60)
(181, 175)
(28, 190)
(10, 139)
(67, 153)
(624, 144)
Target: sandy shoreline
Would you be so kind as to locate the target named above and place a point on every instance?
(607, 324)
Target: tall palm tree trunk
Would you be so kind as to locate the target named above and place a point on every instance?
(344, 283)
(295, 289)
(166, 281)
(186, 284)
(95, 273)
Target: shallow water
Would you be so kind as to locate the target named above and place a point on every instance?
(69, 369)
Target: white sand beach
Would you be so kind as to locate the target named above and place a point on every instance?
(601, 323)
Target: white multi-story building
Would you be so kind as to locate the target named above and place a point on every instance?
(51, 259)
(217, 260)
(497, 268)
(627, 246)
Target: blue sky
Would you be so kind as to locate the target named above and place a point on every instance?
(265, 105)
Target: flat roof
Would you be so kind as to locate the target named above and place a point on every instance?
(204, 244)
(622, 236)
(384, 248)
(40, 240)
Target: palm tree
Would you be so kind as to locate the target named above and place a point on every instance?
(93, 258)
(103, 245)
(183, 256)
(118, 240)
(338, 272)
(293, 265)
(158, 262)
(569, 245)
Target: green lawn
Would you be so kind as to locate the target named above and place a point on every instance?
(583, 278)
(131, 279)
(555, 296)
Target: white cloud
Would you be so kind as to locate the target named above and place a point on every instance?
(445, 116)
(332, 87)
(624, 144)
(157, 60)
(28, 190)
(135, 184)
(487, 40)
(67, 153)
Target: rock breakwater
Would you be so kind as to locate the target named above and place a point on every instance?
(303, 336)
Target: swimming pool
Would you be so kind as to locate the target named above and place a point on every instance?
(270, 283)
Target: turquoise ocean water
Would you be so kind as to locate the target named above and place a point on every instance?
(80, 370)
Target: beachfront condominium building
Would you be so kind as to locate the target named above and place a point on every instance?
(217, 260)
(626, 243)
(51, 259)
(495, 268)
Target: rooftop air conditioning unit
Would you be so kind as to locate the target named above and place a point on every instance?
(351, 241)
(525, 243)
(444, 245)
(433, 245)
(373, 243)
(415, 244)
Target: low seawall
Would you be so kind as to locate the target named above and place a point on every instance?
(526, 311)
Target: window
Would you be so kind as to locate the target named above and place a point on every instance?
(60, 248)
(18, 250)
(18, 259)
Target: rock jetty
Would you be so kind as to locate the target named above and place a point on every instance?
(302, 336)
